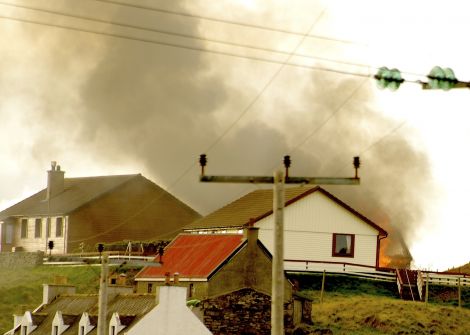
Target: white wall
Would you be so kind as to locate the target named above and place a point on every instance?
(170, 317)
(32, 243)
(309, 225)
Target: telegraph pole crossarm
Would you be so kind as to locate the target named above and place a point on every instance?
(278, 180)
(270, 179)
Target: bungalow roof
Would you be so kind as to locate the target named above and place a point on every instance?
(258, 204)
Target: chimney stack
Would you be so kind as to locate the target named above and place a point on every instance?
(55, 180)
(251, 234)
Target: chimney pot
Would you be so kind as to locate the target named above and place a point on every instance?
(176, 277)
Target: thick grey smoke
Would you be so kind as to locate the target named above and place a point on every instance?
(162, 106)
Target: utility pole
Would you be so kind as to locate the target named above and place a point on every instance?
(103, 295)
(278, 180)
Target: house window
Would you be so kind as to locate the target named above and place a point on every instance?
(38, 228)
(48, 227)
(82, 330)
(343, 245)
(59, 227)
(56, 330)
(9, 234)
(149, 287)
(24, 228)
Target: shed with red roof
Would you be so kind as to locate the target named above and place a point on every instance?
(213, 264)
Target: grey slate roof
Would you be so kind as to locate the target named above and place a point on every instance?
(131, 307)
(77, 192)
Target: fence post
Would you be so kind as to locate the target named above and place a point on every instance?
(460, 293)
(427, 287)
(322, 286)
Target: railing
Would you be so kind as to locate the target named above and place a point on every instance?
(449, 279)
(81, 258)
(399, 285)
(359, 270)
(410, 285)
(420, 284)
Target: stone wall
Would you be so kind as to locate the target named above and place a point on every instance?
(243, 312)
(20, 259)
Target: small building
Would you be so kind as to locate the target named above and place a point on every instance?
(77, 213)
(212, 264)
(321, 232)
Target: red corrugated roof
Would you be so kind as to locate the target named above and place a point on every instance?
(194, 256)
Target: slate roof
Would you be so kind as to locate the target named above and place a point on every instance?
(132, 307)
(195, 256)
(258, 204)
(77, 192)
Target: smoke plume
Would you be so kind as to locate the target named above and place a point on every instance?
(128, 102)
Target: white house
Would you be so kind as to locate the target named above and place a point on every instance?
(321, 232)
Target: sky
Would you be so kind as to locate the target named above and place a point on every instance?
(139, 86)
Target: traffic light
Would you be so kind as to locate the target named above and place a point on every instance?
(442, 78)
(389, 78)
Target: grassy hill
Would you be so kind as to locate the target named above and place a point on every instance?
(365, 314)
(365, 307)
(461, 269)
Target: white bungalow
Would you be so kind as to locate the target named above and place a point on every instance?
(321, 232)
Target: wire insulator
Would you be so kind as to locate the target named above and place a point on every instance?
(287, 163)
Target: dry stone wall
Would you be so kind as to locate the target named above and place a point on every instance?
(20, 259)
(243, 312)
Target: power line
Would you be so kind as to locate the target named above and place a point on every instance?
(179, 46)
(186, 171)
(378, 141)
(340, 107)
(188, 36)
(236, 23)
(265, 87)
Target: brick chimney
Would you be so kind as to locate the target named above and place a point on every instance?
(250, 233)
(55, 180)
(51, 291)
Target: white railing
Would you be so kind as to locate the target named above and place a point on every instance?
(447, 279)
(420, 284)
(364, 271)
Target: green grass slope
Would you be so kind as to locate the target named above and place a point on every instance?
(21, 289)
(365, 307)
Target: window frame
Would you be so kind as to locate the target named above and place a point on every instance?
(348, 255)
(59, 222)
(24, 228)
(38, 228)
(48, 227)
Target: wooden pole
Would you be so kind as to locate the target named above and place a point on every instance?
(322, 286)
(460, 293)
(427, 287)
(277, 297)
(103, 296)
